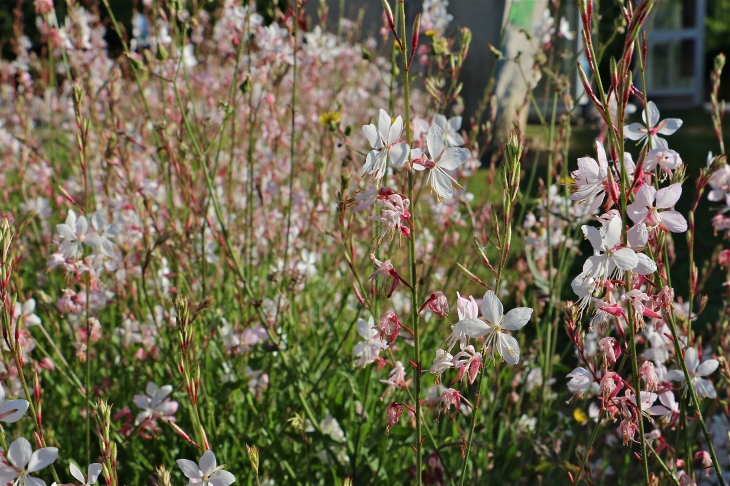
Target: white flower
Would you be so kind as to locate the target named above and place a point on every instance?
(442, 362)
(207, 472)
(450, 129)
(12, 410)
(718, 181)
(545, 29)
(442, 159)
(93, 474)
(637, 131)
(26, 312)
(308, 264)
(564, 29)
(645, 210)
(188, 56)
(397, 376)
(72, 233)
(369, 349)
(24, 461)
(669, 407)
(703, 387)
(155, 404)
(610, 259)
(100, 240)
(667, 159)
(580, 380)
(384, 141)
(493, 326)
(591, 179)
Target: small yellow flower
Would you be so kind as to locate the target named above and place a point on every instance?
(580, 416)
(331, 118)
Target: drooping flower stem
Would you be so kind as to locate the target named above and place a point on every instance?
(412, 254)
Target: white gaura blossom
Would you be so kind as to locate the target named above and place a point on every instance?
(645, 210)
(638, 131)
(703, 387)
(11, 410)
(441, 159)
(718, 181)
(384, 142)
(580, 381)
(155, 403)
(492, 326)
(24, 462)
(667, 160)
(206, 472)
(72, 233)
(450, 129)
(367, 350)
(591, 179)
(104, 231)
(92, 475)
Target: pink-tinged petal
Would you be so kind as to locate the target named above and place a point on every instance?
(467, 308)
(659, 410)
(667, 399)
(76, 473)
(508, 348)
(151, 389)
(625, 259)
(383, 125)
(399, 154)
(142, 401)
(659, 142)
(602, 159)
(208, 463)
(164, 391)
(635, 131)
(612, 235)
(516, 318)
(668, 196)
(671, 125)
(189, 469)
(395, 131)
(637, 236)
(586, 191)
(7, 474)
(167, 408)
(588, 168)
(674, 221)
(94, 471)
(372, 135)
(645, 265)
(637, 212)
(435, 142)
(707, 367)
(452, 158)
(645, 195)
(12, 410)
(20, 452)
(492, 309)
(596, 203)
(42, 458)
(704, 388)
(690, 358)
(653, 114)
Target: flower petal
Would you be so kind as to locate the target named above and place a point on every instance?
(474, 328)
(508, 348)
(208, 463)
(671, 125)
(94, 471)
(189, 469)
(653, 114)
(668, 196)
(441, 184)
(383, 125)
(516, 318)
(674, 221)
(76, 473)
(372, 134)
(492, 309)
(704, 388)
(435, 142)
(452, 158)
(645, 265)
(690, 358)
(707, 367)
(625, 259)
(42, 458)
(12, 410)
(395, 131)
(20, 452)
(222, 478)
(399, 154)
(635, 131)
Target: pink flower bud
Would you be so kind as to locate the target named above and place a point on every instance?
(649, 374)
(392, 416)
(439, 305)
(47, 364)
(703, 457)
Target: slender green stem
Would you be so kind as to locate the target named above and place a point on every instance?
(412, 258)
